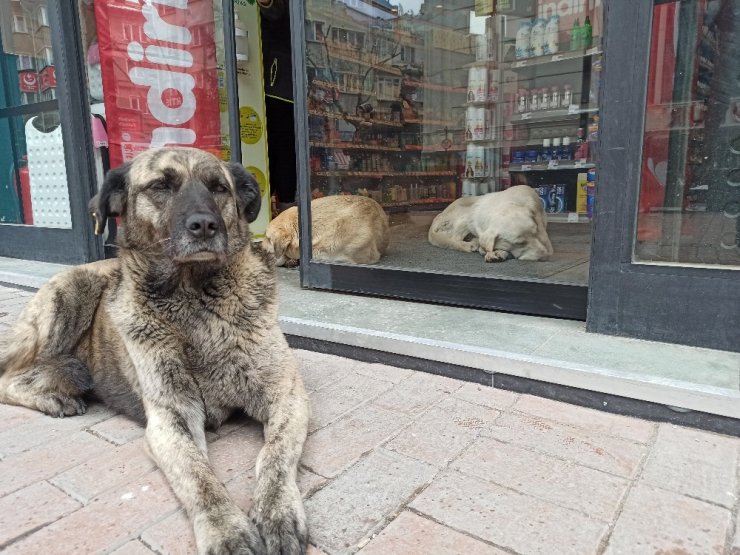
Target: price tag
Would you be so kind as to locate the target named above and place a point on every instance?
(527, 115)
(552, 164)
(580, 164)
(572, 217)
(594, 50)
(558, 57)
(519, 64)
(526, 167)
(574, 109)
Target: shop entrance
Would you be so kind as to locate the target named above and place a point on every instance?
(41, 148)
(474, 127)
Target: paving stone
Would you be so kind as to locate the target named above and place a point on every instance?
(40, 431)
(616, 425)
(319, 370)
(118, 429)
(441, 433)
(32, 507)
(112, 468)
(333, 401)
(414, 395)
(695, 463)
(42, 463)
(592, 449)
(382, 372)
(507, 518)
(561, 482)
(654, 521)
(235, 453)
(134, 547)
(736, 543)
(352, 506)
(332, 449)
(487, 396)
(111, 519)
(12, 416)
(313, 550)
(411, 534)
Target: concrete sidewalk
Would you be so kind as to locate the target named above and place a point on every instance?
(396, 462)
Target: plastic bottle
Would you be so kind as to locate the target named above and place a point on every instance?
(590, 192)
(567, 96)
(552, 35)
(575, 36)
(241, 37)
(556, 150)
(522, 40)
(544, 99)
(546, 151)
(565, 151)
(521, 101)
(537, 38)
(581, 152)
(555, 97)
(586, 34)
(534, 100)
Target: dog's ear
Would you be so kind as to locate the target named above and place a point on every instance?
(111, 199)
(248, 197)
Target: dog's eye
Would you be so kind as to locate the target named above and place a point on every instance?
(218, 187)
(160, 185)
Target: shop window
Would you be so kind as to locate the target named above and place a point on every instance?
(25, 62)
(314, 31)
(689, 203)
(42, 17)
(440, 104)
(20, 24)
(47, 56)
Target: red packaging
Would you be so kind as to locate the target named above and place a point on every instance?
(160, 75)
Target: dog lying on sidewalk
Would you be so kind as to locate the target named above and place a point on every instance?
(178, 332)
(503, 225)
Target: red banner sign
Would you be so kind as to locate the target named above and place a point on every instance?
(48, 78)
(28, 81)
(160, 79)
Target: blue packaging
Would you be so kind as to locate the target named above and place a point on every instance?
(552, 200)
(590, 189)
(560, 198)
(546, 154)
(543, 192)
(517, 157)
(591, 175)
(530, 156)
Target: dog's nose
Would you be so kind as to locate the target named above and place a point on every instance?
(202, 225)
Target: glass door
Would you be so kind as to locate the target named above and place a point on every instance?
(471, 127)
(668, 240)
(42, 212)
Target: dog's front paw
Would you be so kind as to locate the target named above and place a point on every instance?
(230, 533)
(282, 522)
(496, 256)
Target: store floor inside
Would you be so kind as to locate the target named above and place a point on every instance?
(409, 249)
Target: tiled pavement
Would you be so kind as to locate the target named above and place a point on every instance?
(396, 462)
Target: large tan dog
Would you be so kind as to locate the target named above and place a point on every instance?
(179, 332)
(503, 225)
(349, 229)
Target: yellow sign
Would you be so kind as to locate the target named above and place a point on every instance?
(250, 125)
(261, 179)
(484, 7)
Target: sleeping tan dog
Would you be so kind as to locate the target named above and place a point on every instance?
(507, 224)
(345, 229)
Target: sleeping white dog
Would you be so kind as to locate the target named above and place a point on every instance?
(503, 225)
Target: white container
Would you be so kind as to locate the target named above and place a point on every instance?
(523, 34)
(470, 115)
(544, 99)
(552, 35)
(479, 162)
(470, 161)
(537, 38)
(468, 188)
(492, 86)
(567, 96)
(490, 124)
(480, 43)
(481, 90)
(534, 100)
(555, 97)
(479, 124)
(472, 84)
(522, 101)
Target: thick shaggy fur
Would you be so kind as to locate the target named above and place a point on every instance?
(507, 224)
(179, 332)
(347, 229)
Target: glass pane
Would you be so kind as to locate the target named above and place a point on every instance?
(475, 120)
(689, 204)
(33, 175)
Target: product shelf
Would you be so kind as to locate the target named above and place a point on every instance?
(567, 218)
(558, 165)
(552, 115)
(355, 119)
(554, 58)
(383, 174)
(354, 146)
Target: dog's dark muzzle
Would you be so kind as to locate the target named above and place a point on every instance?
(198, 230)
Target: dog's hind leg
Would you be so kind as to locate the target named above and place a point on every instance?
(444, 236)
(39, 368)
